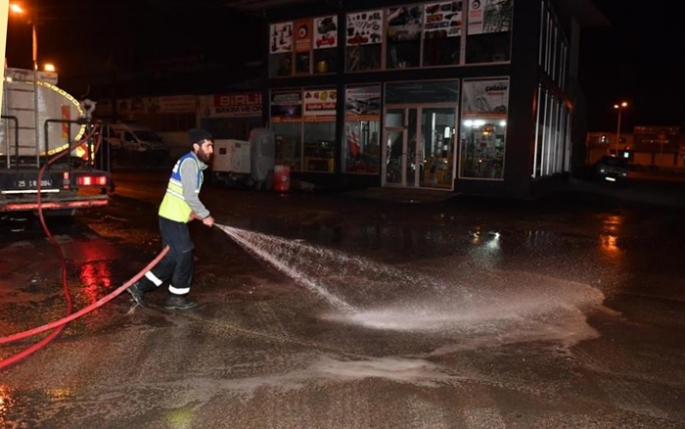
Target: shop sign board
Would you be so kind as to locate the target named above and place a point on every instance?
(238, 105)
(177, 104)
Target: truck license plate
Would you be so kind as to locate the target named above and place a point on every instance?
(31, 184)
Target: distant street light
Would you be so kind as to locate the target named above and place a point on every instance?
(619, 107)
(49, 67)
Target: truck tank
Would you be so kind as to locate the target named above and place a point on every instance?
(53, 103)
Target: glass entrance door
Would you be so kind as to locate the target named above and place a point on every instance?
(419, 148)
(394, 150)
(438, 144)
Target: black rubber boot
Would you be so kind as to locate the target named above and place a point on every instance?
(136, 292)
(178, 302)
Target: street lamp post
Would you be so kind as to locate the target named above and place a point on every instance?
(34, 58)
(619, 107)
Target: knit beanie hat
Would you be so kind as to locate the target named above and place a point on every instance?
(198, 135)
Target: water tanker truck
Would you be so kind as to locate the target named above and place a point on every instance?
(45, 128)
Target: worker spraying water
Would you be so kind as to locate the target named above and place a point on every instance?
(267, 248)
(181, 204)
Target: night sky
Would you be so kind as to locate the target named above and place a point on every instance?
(638, 59)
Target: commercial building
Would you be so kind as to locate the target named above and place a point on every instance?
(474, 96)
(660, 147)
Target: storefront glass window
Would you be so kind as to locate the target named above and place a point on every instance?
(280, 49)
(404, 37)
(288, 144)
(319, 146)
(319, 130)
(483, 128)
(442, 33)
(325, 44)
(489, 31)
(361, 147)
(286, 123)
(364, 37)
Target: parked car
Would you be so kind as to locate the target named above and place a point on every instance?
(135, 138)
(612, 169)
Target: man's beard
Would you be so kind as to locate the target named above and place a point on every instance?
(203, 156)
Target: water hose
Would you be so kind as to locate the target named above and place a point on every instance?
(60, 324)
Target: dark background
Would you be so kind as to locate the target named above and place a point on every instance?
(638, 59)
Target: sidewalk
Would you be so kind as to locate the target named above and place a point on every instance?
(643, 190)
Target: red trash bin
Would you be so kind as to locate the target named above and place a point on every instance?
(281, 178)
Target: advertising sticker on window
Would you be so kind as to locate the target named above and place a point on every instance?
(404, 23)
(365, 28)
(326, 32)
(286, 107)
(486, 99)
(281, 38)
(363, 103)
(303, 35)
(319, 105)
(490, 16)
(443, 19)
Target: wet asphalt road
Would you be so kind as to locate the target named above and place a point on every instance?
(466, 313)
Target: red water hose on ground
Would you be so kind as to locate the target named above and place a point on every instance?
(60, 325)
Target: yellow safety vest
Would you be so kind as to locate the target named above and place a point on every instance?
(174, 206)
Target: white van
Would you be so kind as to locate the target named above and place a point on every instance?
(133, 137)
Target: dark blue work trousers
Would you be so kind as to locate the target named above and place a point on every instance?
(177, 265)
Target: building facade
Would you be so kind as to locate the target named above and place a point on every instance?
(473, 96)
(660, 147)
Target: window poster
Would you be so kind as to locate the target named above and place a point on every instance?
(281, 39)
(404, 23)
(443, 19)
(365, 28)
(326, 32)
(303, 35)
(319, 105)
(286, 107)
(363, 103)
(485, 99)
(490, 16)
